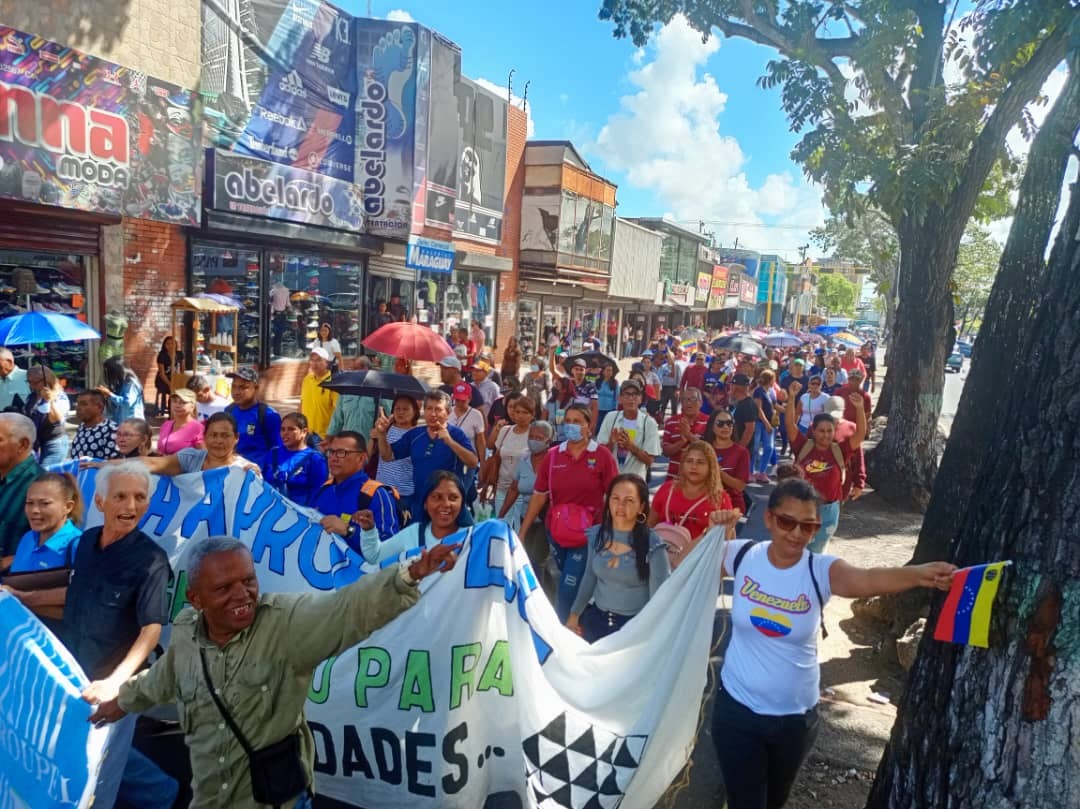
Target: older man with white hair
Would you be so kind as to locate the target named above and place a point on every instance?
(17, 471)
(12, 380)
(117, 602)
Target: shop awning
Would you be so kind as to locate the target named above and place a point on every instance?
(202, 305)
(482, 262)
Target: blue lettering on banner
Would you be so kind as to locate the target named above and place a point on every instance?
(270, 537)
(481, 571)
(211, 509)
(163, 505)
(319, 579)
(243, 517)
(429, 255)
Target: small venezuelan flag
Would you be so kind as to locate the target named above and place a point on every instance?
(965, 618)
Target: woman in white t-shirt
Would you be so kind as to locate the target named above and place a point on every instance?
(511, 445)
(765, 717)
(810, 404)
(333, 347)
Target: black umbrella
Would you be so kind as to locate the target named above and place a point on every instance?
(593, 358)
(740, 344)
(377, 384)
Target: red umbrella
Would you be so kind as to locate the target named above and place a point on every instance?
(410, 340)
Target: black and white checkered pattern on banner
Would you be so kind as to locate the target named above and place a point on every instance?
(575, 765)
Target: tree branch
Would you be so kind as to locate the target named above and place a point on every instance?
(987, 148)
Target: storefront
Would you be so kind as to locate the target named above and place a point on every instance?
(286, 247)
(50, 262)
(601, 318)
(545, 315)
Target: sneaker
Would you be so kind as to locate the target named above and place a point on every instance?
(354, 327)
(65, 289)
(313, 323)
(42, 290)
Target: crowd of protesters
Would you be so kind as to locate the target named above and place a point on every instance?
(557, 445)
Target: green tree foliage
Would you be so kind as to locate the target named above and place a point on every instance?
(867, 239)
(976, 268)
(863, 82)
(837, 294)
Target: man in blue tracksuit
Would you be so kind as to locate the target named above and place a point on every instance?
(351, 501)
(258, 424)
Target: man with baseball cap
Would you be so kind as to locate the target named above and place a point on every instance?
(481, 380)
(585, 392)
(258, 424)
(316, 402)
(450, 373)
(745, 409)
(630, 433)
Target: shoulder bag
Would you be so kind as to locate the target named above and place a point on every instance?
(676, 536)
(277, 770)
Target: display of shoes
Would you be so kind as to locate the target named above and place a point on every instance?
(312, 335)
(65, 289)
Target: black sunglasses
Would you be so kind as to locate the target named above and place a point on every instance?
(724, 423)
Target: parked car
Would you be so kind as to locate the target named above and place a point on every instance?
(964, 347)
(955, 362)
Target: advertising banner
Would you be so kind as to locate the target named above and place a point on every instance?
(50, 754)
(704, 284)
(254, 187)
(679, 294)
(747, 291)
(429, 255)
(442, 138)
(477, 696)
(83, 133)
(540, 222)
(731, 300)
(386, 54)
(482, 116)
(279, 82)
(718, 290)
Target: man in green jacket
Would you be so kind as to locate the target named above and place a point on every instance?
(356, 413)
(261, 651)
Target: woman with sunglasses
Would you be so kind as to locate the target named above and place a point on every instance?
(624, 568)
(765, 716)
(732, 457)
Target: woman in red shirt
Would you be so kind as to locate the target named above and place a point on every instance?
(733, 457)
(694, 501)
(823, 461)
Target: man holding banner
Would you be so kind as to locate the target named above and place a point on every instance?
(240, 664)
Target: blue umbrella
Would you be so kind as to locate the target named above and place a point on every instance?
(781, 340)
(827, 330)
(43, 327)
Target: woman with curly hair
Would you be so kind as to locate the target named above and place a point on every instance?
(688, 506)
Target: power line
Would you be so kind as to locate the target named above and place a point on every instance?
(745, 224)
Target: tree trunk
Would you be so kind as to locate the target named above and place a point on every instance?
(901, 468)
(997, 728)
(1006, 323)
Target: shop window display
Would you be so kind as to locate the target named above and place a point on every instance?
(381, 294)
(46, 282)
(528, 316)
(455, 300)
(291, 293)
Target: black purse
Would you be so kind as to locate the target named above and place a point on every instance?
(277, 770)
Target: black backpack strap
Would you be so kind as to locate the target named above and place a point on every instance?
(817, 592)
(742, 552)
(260, 418)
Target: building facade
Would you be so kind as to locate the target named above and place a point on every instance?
(566, 235)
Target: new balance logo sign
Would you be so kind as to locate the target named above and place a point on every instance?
(292, 84)
(320, 53)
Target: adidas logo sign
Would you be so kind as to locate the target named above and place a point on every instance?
(292, 84)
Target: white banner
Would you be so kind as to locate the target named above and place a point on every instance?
(48, 749)
(478, 695)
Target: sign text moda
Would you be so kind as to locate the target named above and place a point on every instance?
(91, 144)
(257, 187)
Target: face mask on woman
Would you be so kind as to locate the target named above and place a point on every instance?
(536, 447)
(572, 432)
(534, 368)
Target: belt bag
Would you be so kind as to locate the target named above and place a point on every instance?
(567, 523)
(277, 770)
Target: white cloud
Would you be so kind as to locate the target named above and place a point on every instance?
(667, 139)
(400, 15)
(500, 91)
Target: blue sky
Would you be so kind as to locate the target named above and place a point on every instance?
(680, 127)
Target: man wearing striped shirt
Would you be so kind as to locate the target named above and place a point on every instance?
(350, 490)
